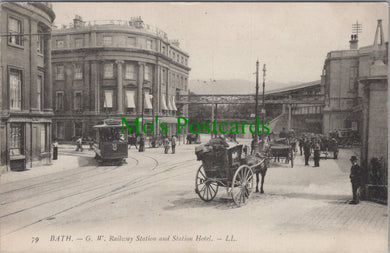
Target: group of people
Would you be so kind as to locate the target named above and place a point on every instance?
(310, 145)
(169, 142)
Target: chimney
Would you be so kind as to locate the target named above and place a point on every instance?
(78, 21)
(353, 43)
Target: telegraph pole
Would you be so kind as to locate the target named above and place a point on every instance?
(263, 107)
(257, 88)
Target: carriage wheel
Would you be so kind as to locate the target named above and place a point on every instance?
(242, 185)
(206, 189)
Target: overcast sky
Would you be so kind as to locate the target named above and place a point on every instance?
(225, 39)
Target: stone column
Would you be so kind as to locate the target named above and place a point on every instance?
(48, 84)
(120, 86)
(140, 85)
(95, 86)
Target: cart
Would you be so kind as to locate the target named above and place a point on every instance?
(225, 168)
(278, 151)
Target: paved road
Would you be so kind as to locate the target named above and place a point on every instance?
(304, 209)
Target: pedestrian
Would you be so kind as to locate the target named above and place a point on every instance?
(166, 144)
(141, 147)
(173, 143)
(306, 150)
(355, 176)
(301, 144)
(91, 144)
(317, 150)
(253, 144)
(79, 144)
(55, 149)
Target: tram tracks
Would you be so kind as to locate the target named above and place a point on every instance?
(143, 180)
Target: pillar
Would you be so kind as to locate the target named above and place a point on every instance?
(140, 85)
(48, 91)
(120, 86)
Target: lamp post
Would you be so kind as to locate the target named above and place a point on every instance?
(257, 88)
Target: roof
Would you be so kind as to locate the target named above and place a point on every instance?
(294, 87)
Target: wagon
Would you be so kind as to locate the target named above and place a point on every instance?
(278, 151)
(225, 168)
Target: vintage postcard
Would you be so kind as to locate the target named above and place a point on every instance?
(194, 127)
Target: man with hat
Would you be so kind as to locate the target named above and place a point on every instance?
(355, 176)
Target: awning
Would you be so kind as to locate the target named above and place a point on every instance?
(163, 102)
(148, 101)
(130, 99)
(173, 103)
(170, 107)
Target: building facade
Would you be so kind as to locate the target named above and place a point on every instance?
(117, 69)
(356, 96)
(26, 85)
(343, 93)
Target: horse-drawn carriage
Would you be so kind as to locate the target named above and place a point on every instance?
(227, 168)
(282, 148)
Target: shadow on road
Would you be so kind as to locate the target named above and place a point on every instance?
(218, 203)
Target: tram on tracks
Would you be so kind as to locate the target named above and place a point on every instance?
(110, 145)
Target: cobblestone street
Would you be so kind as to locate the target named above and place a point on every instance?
(153, 194)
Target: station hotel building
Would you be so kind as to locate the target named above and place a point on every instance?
(25, 84)
(114, 69)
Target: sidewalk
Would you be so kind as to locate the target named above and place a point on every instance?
(65, 162)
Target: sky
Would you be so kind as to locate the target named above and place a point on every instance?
(224, 40)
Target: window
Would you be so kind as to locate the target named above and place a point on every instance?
(60, 72)
(182, 60)
(15, 31)
(130, 99)
(59, 101)
(15, 89)
(108, 95)
(41, 43)
(353, 73)
(163, 77)
(131, 42)
(185, 61)
(43, 138)
(39, 92)
(78, 72)
(149, 44)
(60, 44)
(78, 43)
(147, 73)
(108, 70)
(107, 40)
(78, 129)
(60, 130)
(163, 50)
(129, 74)
(77, 100)
(17, 139)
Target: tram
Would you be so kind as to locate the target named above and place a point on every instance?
(111, 144)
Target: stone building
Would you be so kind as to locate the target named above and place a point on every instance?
(105, 69)
(356, 96)
(25, 83)
(340, 78)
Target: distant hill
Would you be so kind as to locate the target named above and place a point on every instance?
(235, 86)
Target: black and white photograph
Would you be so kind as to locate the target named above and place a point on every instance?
(194, 127)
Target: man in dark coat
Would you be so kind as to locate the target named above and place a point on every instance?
(355, 176)
(306, 150)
